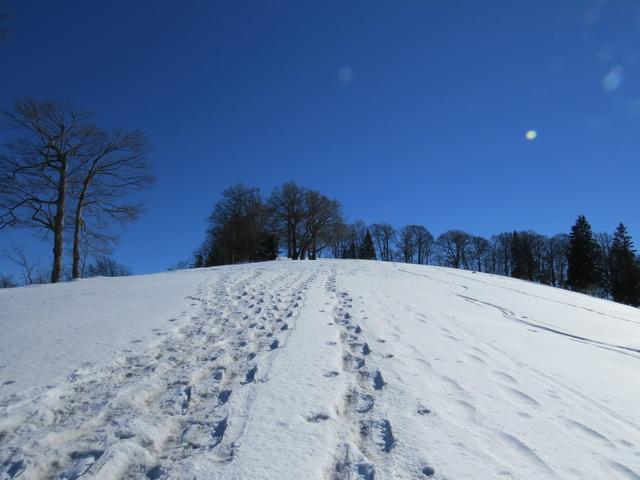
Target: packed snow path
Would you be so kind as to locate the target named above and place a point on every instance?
(327, 370)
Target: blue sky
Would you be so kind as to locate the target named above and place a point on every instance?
(408, 112)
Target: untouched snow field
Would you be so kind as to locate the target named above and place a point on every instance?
(317, 370)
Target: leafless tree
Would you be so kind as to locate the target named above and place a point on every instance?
(107, 267)
(605, 242)
(424, 243)
(31, 270)
(501, 261)
(287, 203)
(415, 244)
(180, 265)
(320, 214)
(384, 237)
(405, 242)
(479, 249)
(339, 239)
(36, 167)
(116, 166)
(7, 281)
(62, 159)
(452, 246)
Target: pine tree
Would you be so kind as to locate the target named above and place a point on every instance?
(367, 249)
(625, 286)
(583, 257)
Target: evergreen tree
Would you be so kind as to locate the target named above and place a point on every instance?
(625, 279)
(367, 249)
(583, 257)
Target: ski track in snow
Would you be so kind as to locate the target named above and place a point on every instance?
(402, 374)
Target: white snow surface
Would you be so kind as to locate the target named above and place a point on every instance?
(317, 370)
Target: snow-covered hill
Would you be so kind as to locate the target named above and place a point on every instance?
(327, 370)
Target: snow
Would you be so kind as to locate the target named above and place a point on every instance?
(325, 369)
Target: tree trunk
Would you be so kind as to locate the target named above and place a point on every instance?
(58, 232)
(76, 273)
(294, 246)
(76, 245)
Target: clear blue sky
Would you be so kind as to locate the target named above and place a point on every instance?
(409, 112)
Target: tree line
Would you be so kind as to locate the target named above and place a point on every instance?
(68, 179)
(248, 226)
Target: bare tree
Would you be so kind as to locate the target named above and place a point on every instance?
(384, 236)
(501, 259)
(479, 249)
(180, 265)
(7, 281)
(605, 242)
(107, 267)
(452, 246)
(116, 166)
(320, 213)
(35, 170)
(423, 242)
(287, 203)
(30, 268)
(356, 232)
(338, 241)
(62, 158)
(405, 242)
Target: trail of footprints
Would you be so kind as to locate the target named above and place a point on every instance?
(373, 433)
(188, 382)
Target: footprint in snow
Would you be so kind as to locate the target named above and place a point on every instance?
(366, 471)
(223, 397)
(383, 434)
(218, 374)
(378, 382)
(363, 402)
(185, 396)
(82, 463)
(317, 417)
(250, 376)
(15, 468)
(156, 473)
(428, 471)
(218, 432)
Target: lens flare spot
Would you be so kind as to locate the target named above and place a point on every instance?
(531, 135)
(612, 80)
(345, 74)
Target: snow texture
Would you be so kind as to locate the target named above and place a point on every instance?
(317, 370)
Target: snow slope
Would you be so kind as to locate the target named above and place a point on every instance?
(327, 370)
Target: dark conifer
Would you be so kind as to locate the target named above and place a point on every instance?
(625, 280)
(583, 258)
(367, 249)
